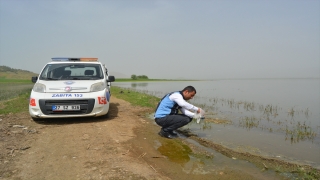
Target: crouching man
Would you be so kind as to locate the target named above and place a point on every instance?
(167, 116)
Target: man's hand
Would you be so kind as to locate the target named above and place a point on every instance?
(201, 112)
(196, 116)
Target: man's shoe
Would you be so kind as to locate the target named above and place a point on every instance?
(173, 134)
(166, 134)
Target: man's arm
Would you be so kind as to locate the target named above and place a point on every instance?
(177, 97)
(187, 112)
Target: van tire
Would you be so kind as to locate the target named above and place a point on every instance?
(105, 116)
(35, 119)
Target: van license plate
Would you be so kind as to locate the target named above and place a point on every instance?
(66, 108)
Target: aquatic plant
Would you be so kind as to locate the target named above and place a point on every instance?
(300, 132)
(270, 118)
(206, 125)
(249, 122)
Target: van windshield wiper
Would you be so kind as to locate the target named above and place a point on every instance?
(52, 79)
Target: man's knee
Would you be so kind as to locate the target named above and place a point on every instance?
(159, 121)
(186, 119)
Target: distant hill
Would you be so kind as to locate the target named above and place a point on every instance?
(11, 73)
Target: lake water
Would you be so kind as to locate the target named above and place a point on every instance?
(273, 117)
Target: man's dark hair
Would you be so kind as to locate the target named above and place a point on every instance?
(189, 89)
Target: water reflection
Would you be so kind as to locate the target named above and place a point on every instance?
(134, 85)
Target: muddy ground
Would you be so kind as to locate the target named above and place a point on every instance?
(120, 146)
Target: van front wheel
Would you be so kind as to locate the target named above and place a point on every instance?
(35, 119)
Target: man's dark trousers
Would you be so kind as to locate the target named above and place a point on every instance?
(170, 123)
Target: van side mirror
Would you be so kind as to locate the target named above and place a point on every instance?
(111, 79)
(34, 79)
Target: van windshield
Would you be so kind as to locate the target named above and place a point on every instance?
(72, 71)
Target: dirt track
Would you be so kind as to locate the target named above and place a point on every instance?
(121, 146)
(88, 148)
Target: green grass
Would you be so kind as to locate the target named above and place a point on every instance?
(15, 105)
(14, 100)
(2, 80)
(12, 90)
(14, 95)
(135, 98)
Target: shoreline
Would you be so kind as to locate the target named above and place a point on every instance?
(262, 162)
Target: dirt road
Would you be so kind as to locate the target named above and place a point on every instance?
(121, 146)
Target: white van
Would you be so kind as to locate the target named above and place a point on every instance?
(71, 87)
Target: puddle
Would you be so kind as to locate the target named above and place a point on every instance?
(197, 159)
(175, 151)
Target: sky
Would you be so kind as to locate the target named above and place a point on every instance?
(189, 39)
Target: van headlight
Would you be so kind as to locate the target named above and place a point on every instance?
(97, 87)
(40, 88)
